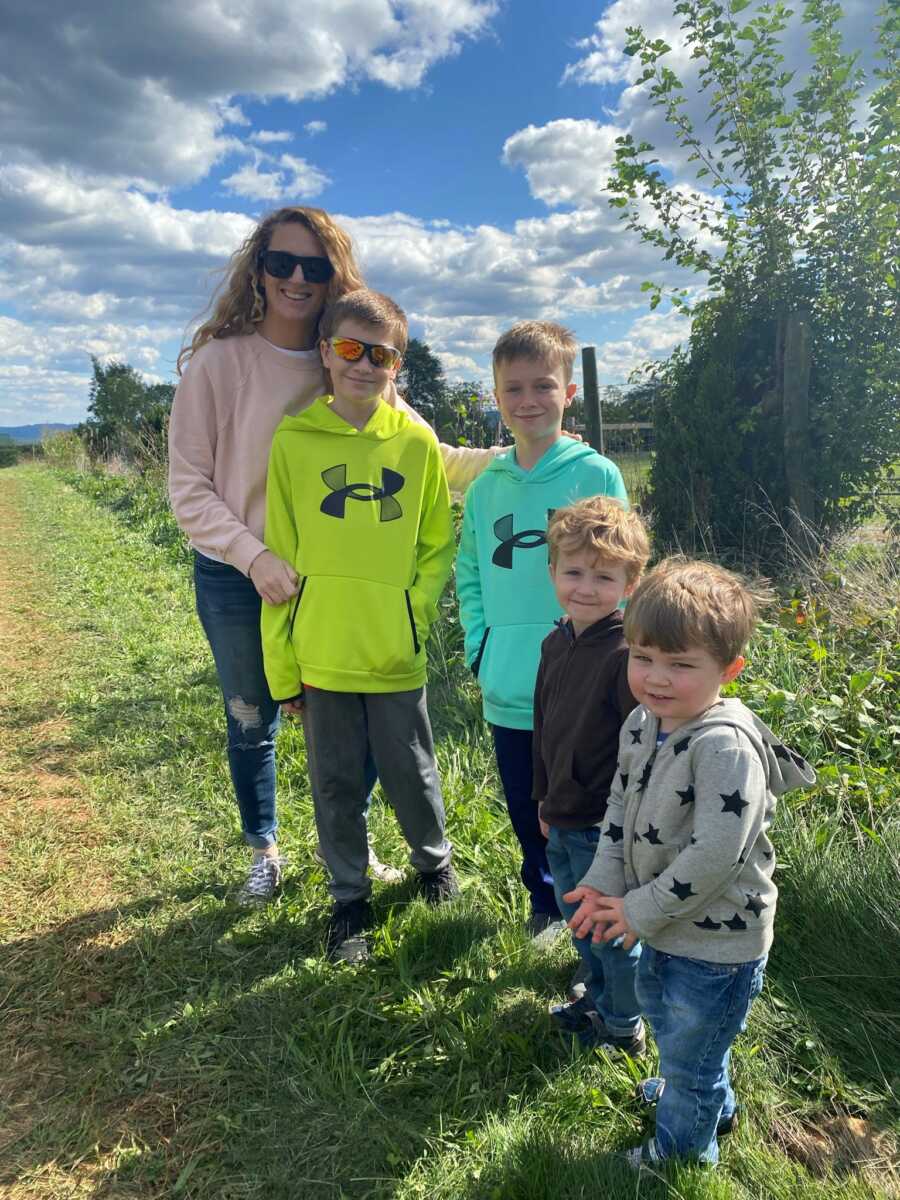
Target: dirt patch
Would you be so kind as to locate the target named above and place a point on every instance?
(840, 1144)
(49, 840)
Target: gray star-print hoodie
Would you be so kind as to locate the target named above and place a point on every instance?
(685, 837)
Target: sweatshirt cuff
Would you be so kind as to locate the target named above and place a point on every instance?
(642, 913)
(604, 878)
(243, 550)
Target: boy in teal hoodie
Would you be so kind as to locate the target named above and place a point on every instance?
(506, 599)
(357, 503)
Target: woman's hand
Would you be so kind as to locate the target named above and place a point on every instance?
(274, 579)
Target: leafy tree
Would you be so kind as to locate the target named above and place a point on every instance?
(804, 207)
(9, 451)
(421, 380)
(125, 415)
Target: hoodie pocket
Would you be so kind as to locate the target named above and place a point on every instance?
(476, 661)
(354, 628)
(412, 624)
(508, 667)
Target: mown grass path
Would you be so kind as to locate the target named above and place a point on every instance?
(158, 1042)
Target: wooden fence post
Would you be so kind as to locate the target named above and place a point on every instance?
(794, 338)
(593, 418)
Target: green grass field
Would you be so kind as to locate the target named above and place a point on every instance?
(158, 1042)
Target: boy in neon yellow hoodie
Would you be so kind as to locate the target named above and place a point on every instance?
(357, 502)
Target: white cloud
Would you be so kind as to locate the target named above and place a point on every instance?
(137, 91)
(315, 127)
(286, 177)
(266, 137)
(566, 161)
(653, 336)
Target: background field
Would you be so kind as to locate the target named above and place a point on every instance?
(159, 1042)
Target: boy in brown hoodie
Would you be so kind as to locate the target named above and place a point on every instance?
(597, 552)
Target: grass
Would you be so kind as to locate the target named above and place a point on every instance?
(159, 1042)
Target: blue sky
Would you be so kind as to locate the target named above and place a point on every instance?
(465, 145)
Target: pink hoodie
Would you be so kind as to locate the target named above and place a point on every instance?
(227, 407)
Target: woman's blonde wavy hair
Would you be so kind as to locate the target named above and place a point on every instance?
(239, 303)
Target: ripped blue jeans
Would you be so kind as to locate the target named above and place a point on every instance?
(229, 608)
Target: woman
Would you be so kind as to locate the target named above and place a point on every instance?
(255, 360)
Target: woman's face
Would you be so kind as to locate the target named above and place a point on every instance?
(293, 306)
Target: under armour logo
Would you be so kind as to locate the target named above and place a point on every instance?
(341, 491)
(525, 539)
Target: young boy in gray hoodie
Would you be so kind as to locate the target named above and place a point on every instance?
(684, 862)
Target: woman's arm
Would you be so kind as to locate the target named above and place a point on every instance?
(199, 510)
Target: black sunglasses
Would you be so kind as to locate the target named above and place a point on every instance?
(281, 265)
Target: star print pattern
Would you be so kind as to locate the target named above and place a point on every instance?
(733, 802)
(682, 890)
(667, 792)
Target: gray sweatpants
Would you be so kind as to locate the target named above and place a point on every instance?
(340, 727)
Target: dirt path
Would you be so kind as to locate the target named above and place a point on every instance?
(50, 845)
(43, 802)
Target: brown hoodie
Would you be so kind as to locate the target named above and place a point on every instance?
(581, 699)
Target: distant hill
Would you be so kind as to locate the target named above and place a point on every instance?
(31, 433)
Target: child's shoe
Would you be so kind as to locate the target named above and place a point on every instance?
(383, 872)
(600, 1037)
(643, 1157)
(543, 929)
(573, 1016)
(439, 886)
(262, 882)
(346, 939)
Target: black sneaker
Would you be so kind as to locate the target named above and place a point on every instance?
(574, 1017)
(346, 939)
(599, 1037)
(439, 886)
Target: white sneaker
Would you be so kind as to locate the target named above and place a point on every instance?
(383, 872)
(262, 882)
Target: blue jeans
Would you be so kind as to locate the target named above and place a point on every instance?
(696, 1009)
(513, 750)
(229, 608)
(611, 982)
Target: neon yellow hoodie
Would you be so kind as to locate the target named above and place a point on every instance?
(363, 515)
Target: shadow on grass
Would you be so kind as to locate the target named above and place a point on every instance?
(176, 1034)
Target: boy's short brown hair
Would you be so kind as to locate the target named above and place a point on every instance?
(685, 602)
(372, 308)
(542, 340)
(603, 526)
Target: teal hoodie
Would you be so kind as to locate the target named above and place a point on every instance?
(506, 600)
